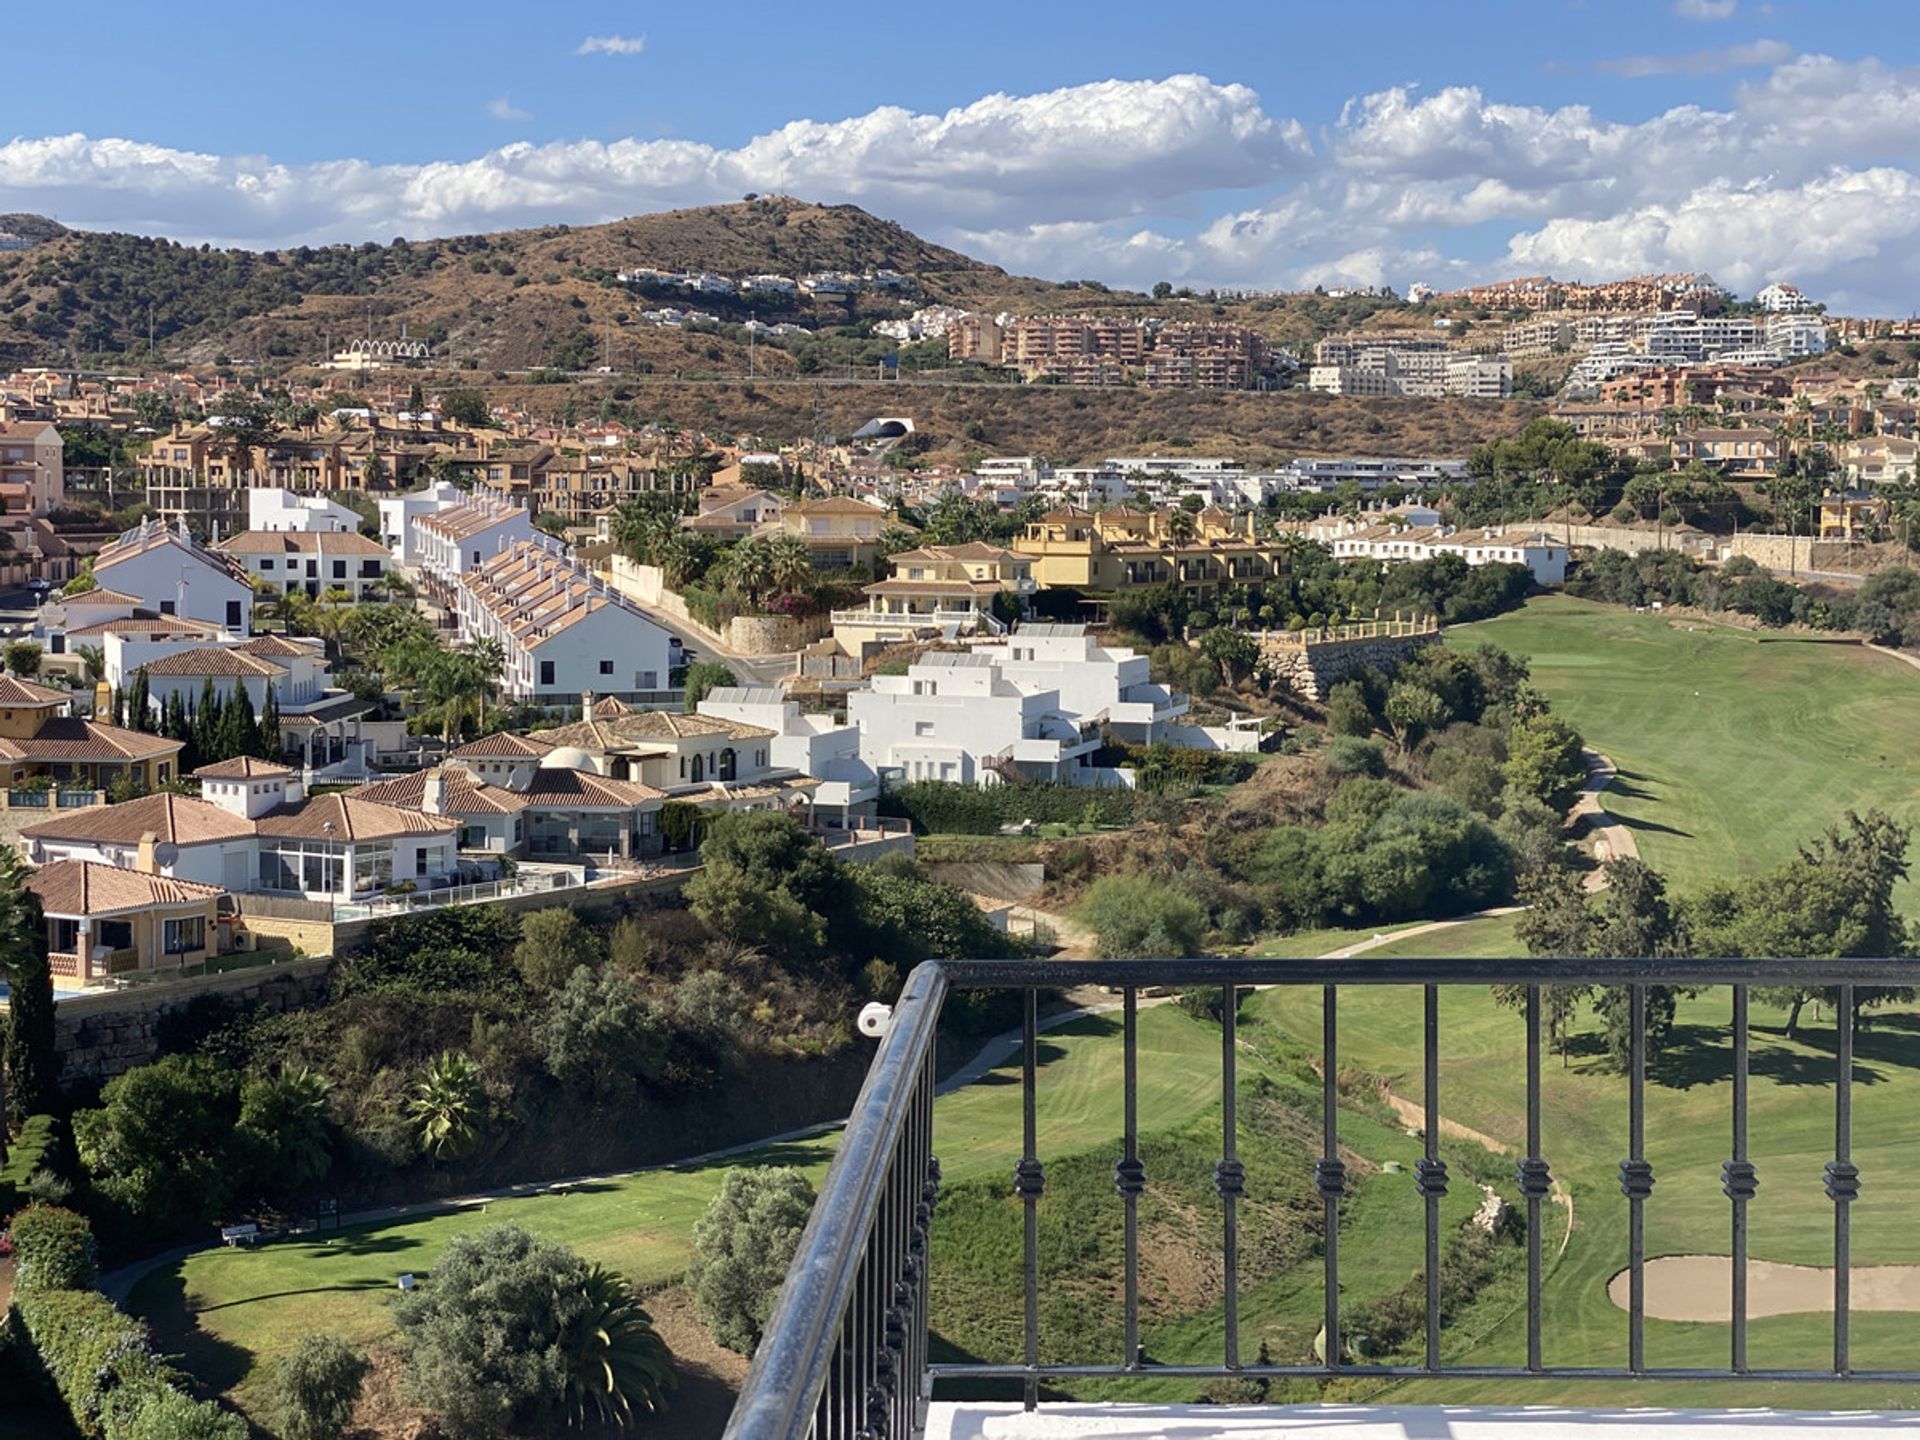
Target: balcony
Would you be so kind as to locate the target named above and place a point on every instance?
(848, 1353)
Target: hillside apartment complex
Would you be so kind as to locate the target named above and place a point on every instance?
(1407, 363)
(1102, 350)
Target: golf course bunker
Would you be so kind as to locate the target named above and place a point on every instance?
(1699, 1288)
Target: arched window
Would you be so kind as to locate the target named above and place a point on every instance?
(699, 768)
(728, 763)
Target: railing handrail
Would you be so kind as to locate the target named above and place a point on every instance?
(807, 1382)
(789, 1370)
(1215, 971)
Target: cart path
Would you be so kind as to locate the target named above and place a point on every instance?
(1698, 1288)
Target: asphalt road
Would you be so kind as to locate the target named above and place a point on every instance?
(17, 610)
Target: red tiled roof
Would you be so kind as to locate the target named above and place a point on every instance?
(24, 693)
(176, 819)
(64, 738)
(85, 887)
(345, 818)
(243, 767)
(463, 793)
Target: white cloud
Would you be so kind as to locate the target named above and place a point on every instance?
(1705, 10)
(505, 109)
(612, 45)
(1809, 174)
(1700, 62)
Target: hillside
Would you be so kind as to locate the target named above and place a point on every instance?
(506, 300)
(1065, 425)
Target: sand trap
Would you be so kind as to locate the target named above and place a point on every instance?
(1699, 1287)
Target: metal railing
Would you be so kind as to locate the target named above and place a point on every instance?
(844, 1355)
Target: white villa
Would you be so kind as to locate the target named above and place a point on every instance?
(175, 574)
(958, 717)
(807, 745)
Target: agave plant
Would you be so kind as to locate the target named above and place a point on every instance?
(617, 1362)
(449, 1106)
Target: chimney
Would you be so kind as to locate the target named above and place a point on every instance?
(143, 860)
(433, 793)
(586, 704)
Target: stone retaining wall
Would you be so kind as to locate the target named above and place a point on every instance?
(742, 635)
(1311, 667)
(103, 1035)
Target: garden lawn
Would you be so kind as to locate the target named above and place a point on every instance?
(233, 1311)
(1482, 1085)
(1733, 746)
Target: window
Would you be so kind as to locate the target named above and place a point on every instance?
(233, 614)
(186, 934)
(922, 729)
(699, 768)
(729, 764)
(646, 679)
(266, 564)
(546, 672)
(606, 667)
(420, 863)
(339, 569)
(166, 607)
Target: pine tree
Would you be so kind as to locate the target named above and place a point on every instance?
(268, 747)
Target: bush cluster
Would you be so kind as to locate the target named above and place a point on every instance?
(946, 807)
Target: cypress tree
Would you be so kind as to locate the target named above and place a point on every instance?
(32, 1061)
(269, 738)
(138, 701)
(118, 717)
(238, 733)
(206, 725)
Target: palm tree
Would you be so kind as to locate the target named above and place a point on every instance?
(678, 557)
(616, 1360)
(749, 568)
(94, 658)
(448, 1106)
(490, 657)
(789, 563)
(1180, 525)
(328, 617)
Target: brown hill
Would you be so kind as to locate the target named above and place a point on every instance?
(506, 300)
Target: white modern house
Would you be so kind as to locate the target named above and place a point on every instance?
(464, 537)
(809, 744)
(562, 630)
(1782, 298)
(1090, 682)
(958, 717)
(273, 507)
(175, 574)
(313, 561)
(399, 512)
(1394, 543)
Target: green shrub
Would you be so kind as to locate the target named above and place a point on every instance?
(53, 1249)
(30, 1152)
(742, 1247)
(943, 806)
(1136, 916)
(314, 1389)
(102, 1363)
(1350, 755)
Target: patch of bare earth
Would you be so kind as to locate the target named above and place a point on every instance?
(384, 1412)
(710, 1375)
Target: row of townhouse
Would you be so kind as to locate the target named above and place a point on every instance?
(446, 541)
(1118, 549)
(1396, 542)
(559, 626)
(1102, 350)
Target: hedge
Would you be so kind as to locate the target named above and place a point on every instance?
(103, 1364)
(944, 806)
(53, 1249)
(33, 1149)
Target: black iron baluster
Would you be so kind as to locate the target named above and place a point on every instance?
(1739, 1182)
(1533, 1177)
(1329, 1175)
(1129, 1175)
(1230, 1176)
(1636, 1179)
(1431, 1173)
(1843, 1187)
(1029, 1182)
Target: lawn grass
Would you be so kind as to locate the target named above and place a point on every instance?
(1482, 1085)
(1733, 746)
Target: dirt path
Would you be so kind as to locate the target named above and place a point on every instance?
(1698, 1288)
(1612, 839)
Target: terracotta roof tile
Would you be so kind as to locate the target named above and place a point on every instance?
(85, 887)
(26, 694)
(345, 818)
(225, 661)
(463, 793)
(176, 819)
(243, 767)
(65, 738)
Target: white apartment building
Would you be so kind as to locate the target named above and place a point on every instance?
(957, 717)
(1370, 474)
(463, 537)
(1090, 682)
(398, 513)
(808, 744)
(1781, 298)
(312, 561)
(273, 507)
(563, 630)
(1795, 335)
(1394, 543)
(177, 575)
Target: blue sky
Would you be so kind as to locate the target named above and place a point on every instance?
(1253, 144)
